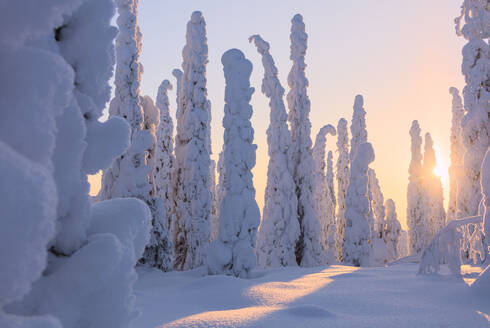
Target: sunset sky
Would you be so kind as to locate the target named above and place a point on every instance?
(402, 56)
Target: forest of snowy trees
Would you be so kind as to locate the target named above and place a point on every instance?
(160, 204)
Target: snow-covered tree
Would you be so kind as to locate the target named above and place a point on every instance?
(377, 204)
(329, 175)
(392, 230)
(433, 190)
(356, 247)
(239, 216)
(279, 230)
(49, 172)
(417, 213)
(160, 251)
(128, 175)
(342, 181)
(309, 250)
(402, 247)
(323, 203)
(214, 199)
(457, 153)
(193, 199)
(358, 126)
(476, 94)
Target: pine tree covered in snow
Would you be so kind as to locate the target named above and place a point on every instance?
(279, 230)
(377, 203)
(105, 239)
(343, 175)
(358, 127)
(239, 216)
(323, 202)
(402, 247)
(193, 199)
(457, 153)
(329, 175)
(309, 247)
(128, 175)
(433, 190)
(356, 247)
(161, 255)
(417, 212)
(476, 94)
(392, 230)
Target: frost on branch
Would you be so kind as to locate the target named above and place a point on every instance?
(279, 230)
(239, 216)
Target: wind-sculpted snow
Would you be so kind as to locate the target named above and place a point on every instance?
(239, 216)
(356, 248)
(358, 127)
(279, 230)
(323, 202)
(309, 250)
(193, 199)
(343, 175)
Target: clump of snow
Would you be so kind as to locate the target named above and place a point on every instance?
(193, 199)
(239, 216)
(356, 247)
(279, 231)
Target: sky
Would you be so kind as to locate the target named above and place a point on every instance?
(402, 56)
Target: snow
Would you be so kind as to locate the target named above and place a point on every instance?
(279, 230)
(335, 296)
(392, 231)
(239, 216)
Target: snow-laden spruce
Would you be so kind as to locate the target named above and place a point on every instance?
(309, 250)
(392, 230)
(356, 247)
(279, 229)
(402, 247)
(193, 199)
(93, 245)
(128, 175)
(433, 190)
(159, 253)
(358, 127)
(379, 250)
(457, 153)
(239, 216)
(476, 94)
(417, 211)
(343, 176)
(323, 203)
(329, 176)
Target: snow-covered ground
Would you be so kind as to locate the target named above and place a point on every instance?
(334, 296)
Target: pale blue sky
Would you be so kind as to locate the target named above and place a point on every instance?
(402, 56)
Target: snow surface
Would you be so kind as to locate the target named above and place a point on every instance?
(335, 296)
